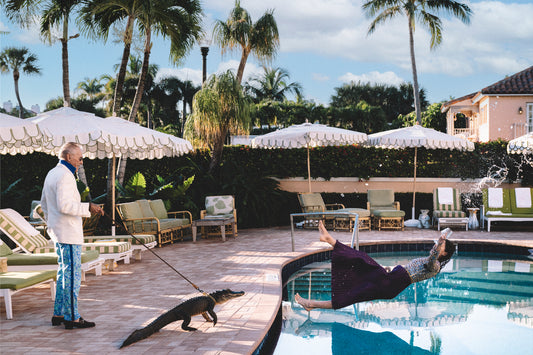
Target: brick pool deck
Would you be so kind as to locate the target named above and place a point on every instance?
(131, 296)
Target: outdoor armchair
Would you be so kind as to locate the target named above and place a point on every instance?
(385, 211)
(313, 202)
(151, 217)
(219, 207)
(447, 204)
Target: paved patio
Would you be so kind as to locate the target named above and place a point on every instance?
(133, 295)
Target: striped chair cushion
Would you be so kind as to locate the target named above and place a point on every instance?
(102, 247)
(144, 238)
(21, 231)
(455, 206)
(449, 214)
(453, 210)
(107, 247)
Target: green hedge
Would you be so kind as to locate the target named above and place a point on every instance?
(245, 171)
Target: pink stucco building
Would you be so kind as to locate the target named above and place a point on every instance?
(502, 110)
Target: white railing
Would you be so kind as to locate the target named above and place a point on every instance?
(521, 128)
(464, 132)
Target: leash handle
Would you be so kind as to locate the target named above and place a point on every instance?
(160, 258)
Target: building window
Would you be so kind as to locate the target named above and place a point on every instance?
(529, 115)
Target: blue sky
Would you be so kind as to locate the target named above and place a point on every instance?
(324, 44)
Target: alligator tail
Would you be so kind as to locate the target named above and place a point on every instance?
(160, 322)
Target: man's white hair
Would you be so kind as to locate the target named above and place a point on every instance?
(68, 148)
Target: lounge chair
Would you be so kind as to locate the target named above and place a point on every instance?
(12, 282)
(137, 246)
(30, 241)
(385, 212)
(447, 204)
(313, 202)
(90, 261)
(507, 204)
(219, 207)
(36, 219)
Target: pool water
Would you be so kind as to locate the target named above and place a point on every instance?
(476, 305)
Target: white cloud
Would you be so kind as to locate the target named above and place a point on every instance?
(338, 28)
(3, 27)
(250, 70)
(31, 34)
(320, 77)
(374, 77)
(182, 73)
(195, 75)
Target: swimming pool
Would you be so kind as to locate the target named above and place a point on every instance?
(478, 304)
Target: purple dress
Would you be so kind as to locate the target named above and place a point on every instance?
(356, 277)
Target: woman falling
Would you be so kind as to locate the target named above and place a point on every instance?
(356, 277)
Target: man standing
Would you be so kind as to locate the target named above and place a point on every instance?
(63, 212)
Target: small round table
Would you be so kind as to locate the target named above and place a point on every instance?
(472, 218)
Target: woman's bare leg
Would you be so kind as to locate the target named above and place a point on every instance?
(312, 304)
(324, 234)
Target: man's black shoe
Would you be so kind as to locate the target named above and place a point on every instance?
(81, 323)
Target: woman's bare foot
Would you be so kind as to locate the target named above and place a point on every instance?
(324, 234)
(302, 302)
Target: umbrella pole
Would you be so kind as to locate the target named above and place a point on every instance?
(414, 186)
(308, 168)
(113, 197)
(413, 222)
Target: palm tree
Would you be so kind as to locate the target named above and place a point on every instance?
(272, 85)
(17, 60)
(54, 13)
(261, 39)
(420, 10)
(188, 90)
(97, 17)
(177, 19)
(218, 108)
(92, 88)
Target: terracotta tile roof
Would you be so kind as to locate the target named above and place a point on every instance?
(454, 101)
(519, 83)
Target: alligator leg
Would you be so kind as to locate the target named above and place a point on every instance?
(213, 315)
(186, 321)
(206, 317)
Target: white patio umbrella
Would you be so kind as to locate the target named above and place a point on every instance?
(107, 138)
(415, 137)
(308, 135)
(20, 136)
(521, 145)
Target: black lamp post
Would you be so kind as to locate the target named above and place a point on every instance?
(204, 47)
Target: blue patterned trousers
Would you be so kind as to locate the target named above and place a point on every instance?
(68, 281)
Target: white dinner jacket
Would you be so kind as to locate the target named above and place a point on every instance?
(62, 206)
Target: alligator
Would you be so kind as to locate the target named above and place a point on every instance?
(203, 305)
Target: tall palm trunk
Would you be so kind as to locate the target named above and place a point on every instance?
(416, 92)
(184, 116)
(142, 77)
(119, 87)
(242, 64)
(16, 76)
(64, 56)
(218, 146)
(138, 95)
